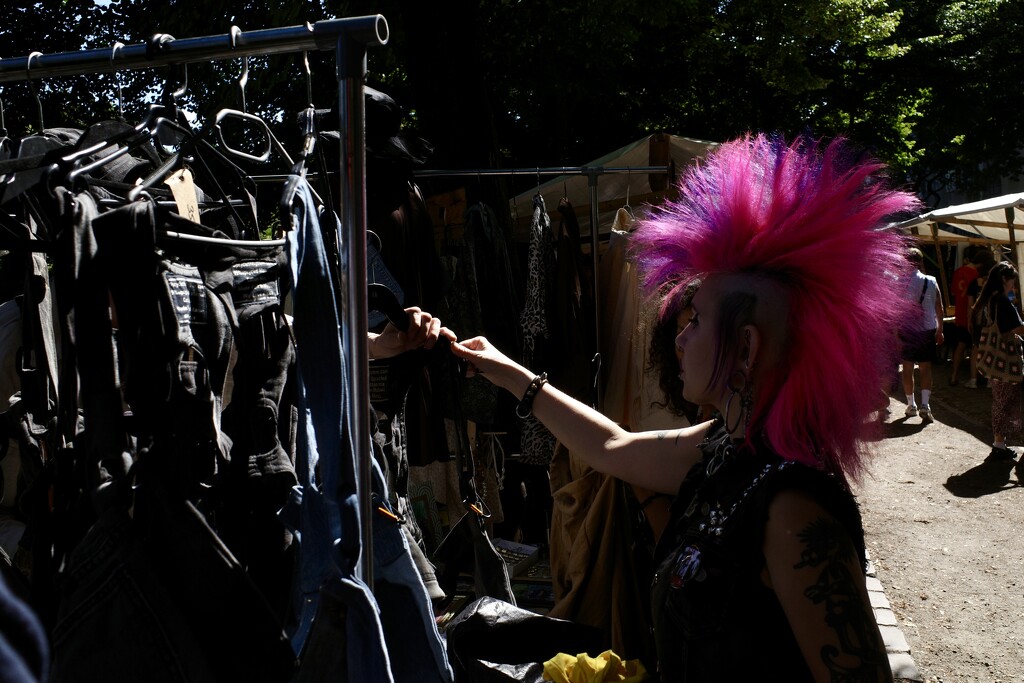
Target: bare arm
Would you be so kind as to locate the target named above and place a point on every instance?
(657, 461)
(940, 312)
(813, 567)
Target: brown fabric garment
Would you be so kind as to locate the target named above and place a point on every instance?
(593, 573)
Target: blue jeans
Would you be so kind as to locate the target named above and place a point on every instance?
(329, 517)
(418, 656)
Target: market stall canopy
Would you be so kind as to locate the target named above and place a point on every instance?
(986, 220)
(612, 188)
(997, 220)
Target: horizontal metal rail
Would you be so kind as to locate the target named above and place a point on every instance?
(165, 50)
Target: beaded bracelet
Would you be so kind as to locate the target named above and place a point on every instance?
(525, 407)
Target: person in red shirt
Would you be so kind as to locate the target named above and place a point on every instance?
(962, 278)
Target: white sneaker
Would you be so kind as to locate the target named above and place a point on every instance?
(911, 411)
(971, 383)
(926, 414)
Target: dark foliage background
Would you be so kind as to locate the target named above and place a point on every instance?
(931, 86)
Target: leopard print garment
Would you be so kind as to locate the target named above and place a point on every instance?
(537, 443)
(534, 319)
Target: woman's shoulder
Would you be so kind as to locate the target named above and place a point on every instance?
(797, 484)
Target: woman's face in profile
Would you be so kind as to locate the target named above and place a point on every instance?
(695, 348)
(682, 320)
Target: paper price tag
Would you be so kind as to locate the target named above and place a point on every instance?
(184, 192)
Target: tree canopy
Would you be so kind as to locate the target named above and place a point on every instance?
(931, 86)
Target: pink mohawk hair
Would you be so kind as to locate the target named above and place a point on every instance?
(812, 217)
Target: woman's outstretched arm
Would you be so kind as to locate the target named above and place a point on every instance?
(654, 460)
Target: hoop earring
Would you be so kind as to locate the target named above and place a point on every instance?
(745, 400)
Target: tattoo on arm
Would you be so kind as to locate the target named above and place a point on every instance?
(860, 655)
(678, 434)
(661, 436)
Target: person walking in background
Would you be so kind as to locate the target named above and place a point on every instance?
(962, 279)
(1000, 360)
(920, 334)
(984, 260)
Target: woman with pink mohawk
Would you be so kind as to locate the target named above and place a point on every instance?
(761, 571)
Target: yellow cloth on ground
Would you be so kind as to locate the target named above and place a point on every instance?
(583, 668)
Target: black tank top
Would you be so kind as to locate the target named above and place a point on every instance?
(714, 619)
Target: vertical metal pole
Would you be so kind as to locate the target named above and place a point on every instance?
(595, 259)
(1008, 211)
(946, 300)
(351, 65)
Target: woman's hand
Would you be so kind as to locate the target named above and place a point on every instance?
(424, 331)
(484, 359)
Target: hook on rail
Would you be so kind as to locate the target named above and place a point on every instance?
(243, 78)
(32, 87)
(118, 46)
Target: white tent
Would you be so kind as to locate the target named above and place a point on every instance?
(997, 220)
(612, 188)
(991, 220)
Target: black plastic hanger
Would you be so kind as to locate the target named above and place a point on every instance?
(380, 298)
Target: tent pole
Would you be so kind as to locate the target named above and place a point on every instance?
(595, 261)
(942, 265)
(1013, 238)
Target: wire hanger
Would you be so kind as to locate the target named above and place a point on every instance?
(32, 87)
(308, 121)
(243, 78)
(117, 77)
(309, 77)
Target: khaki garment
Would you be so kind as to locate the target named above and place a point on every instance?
(592, 570)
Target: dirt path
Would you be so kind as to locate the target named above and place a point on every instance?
(945, 530)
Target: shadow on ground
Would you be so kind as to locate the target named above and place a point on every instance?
(987, 477)
(901, 427)
(968, 410)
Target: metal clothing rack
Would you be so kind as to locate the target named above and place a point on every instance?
(592, 173)
(349, 38)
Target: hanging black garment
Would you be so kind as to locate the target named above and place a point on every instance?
(461, 310)
(391, 386)
(467, 547)
(571, 310)
(498, 291)
(174, 323)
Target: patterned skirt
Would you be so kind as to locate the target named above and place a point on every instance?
(1006, 407)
